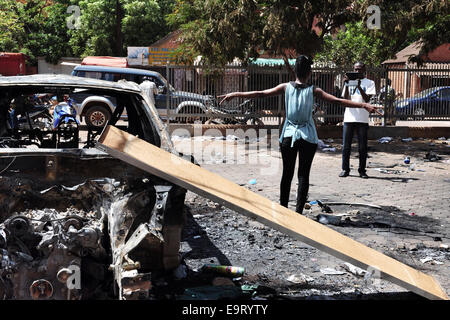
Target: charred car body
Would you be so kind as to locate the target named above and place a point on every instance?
(76, 223)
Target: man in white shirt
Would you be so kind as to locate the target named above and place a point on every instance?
(149, 88)
(356, 120)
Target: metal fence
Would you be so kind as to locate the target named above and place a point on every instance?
(407, 92)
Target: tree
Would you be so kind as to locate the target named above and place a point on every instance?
(10, 26)
(109, 26)
(221, 30)
(55, 43)
(353, 43)
(35, 28)
(144, 21)
(24, 22)
(405, 21)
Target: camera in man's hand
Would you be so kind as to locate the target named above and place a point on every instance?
(353, 78)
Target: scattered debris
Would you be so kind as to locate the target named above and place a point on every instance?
(329, 149)
(328, 219)
(431, 260)
(407, 139)
(431, 156)
(252, 181)
(325, 208)
(354, 269)
(300, 278)
(352, 204)
(388, 171)
(331, 271)
(232, 137)
(213, 204)
(385, 140)
(322, 145)
(407, 160)
(253, 290)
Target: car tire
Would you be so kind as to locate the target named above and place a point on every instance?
(97, 116)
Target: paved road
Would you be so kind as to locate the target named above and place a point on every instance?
(422, 193)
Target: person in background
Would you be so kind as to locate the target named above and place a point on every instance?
(149, 88)
(356, 120)
(387, 97)
(299, 135)
(53, 103)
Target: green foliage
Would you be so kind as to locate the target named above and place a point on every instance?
(107, 27)
(10, 26)
(221, 30)
(355, 43)
(407, 21)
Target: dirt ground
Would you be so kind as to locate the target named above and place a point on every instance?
(402, 210)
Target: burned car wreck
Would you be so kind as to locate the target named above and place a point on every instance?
(76, 223)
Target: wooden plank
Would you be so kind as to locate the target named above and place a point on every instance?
(163, 164)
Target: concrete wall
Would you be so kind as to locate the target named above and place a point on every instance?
(64, 66)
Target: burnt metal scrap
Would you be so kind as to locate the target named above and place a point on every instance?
(48, 249)
(74, 222)
(95, 238)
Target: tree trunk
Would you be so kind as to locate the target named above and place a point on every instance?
(288, 66)
(119, 35)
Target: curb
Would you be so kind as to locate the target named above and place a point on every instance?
(323, 132)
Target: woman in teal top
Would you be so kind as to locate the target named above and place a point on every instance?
(299, 135)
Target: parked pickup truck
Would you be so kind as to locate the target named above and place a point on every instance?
(98, 110)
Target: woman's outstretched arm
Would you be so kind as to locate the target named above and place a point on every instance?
(279, 89)
(319, 93)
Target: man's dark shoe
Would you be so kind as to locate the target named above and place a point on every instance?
(363, 175)
(343, 174)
